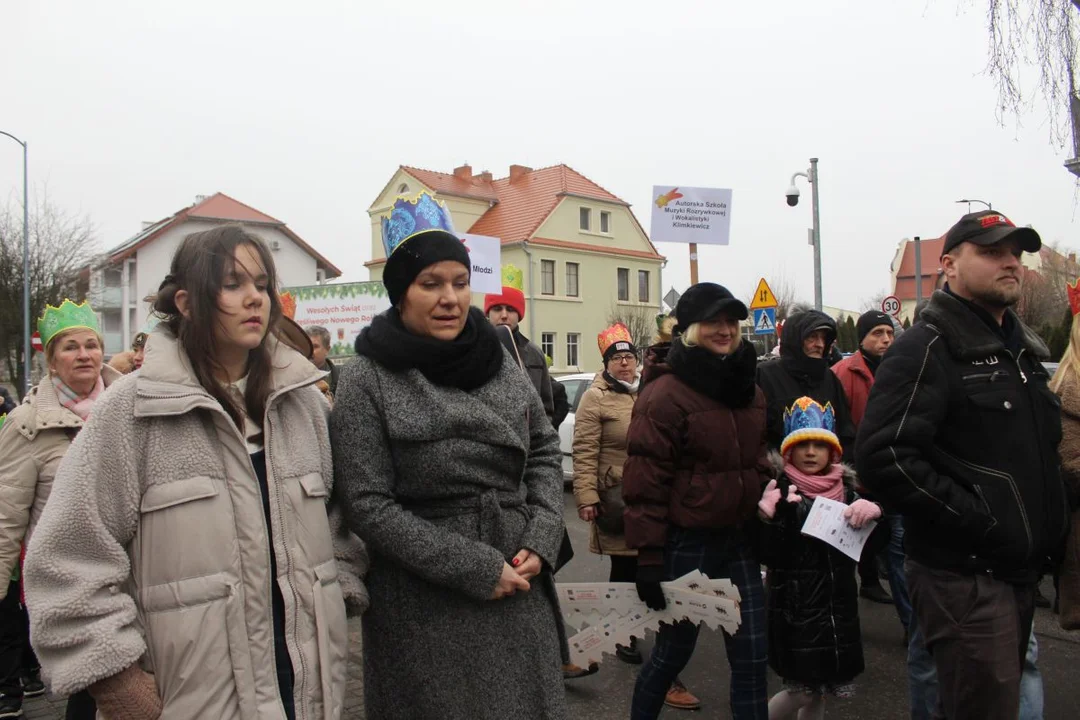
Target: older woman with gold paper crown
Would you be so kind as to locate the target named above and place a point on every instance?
(451, 473)
(33, 440)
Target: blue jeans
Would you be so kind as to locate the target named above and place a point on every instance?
(723, 553)
(1031, 686)
(894, 561)
(922, 680)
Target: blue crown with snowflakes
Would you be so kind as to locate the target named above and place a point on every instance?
(414, 215)
(807, 419)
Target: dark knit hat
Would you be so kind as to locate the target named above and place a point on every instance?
(417, 253)
(870, 320)
(705, 301)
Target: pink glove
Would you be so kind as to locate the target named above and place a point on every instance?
(769, 498)
(861, 512)
(793, 495)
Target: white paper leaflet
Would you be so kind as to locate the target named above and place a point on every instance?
(827, 523)
(610, 613)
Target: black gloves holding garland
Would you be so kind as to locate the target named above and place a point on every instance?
(648, 582)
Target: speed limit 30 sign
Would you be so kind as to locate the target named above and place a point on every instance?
(891, 305)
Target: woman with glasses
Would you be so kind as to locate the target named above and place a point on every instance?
(600, 427)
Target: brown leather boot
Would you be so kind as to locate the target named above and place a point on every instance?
(680, 698)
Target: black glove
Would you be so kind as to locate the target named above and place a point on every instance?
(648, 582)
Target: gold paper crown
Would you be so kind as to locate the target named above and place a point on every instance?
(513, 277)
(68, 316)
(609, 336)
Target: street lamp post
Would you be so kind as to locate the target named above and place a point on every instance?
(811, 175)
(973, 200)
(26, 268)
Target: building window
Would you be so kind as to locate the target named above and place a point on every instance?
(571, 279)
(547, 277)
(403, 189)
(624, 284)
(547, 345)
(572, 349)
(605, 222)
(586, 219)
(643, 286)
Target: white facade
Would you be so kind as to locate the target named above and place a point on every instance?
(118, 291)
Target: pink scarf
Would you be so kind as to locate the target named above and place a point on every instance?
(74, 402)
(829, 484)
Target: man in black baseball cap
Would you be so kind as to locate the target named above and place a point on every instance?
(960, 437)
(989, 228)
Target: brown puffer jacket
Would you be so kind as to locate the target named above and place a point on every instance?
(601, 423)
(692, 461)
(1069, 582)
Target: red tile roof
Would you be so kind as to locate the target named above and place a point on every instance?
(452, 185)
(523, 201)
(221, 207)
(931, 266)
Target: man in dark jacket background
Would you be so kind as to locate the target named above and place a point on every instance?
(960, 436)
(803, 370)
(509, 309)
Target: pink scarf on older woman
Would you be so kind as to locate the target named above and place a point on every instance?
(79, 404)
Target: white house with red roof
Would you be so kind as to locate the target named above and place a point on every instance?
(123, 277)
(583, 253)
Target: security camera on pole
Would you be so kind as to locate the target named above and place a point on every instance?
(811, 176)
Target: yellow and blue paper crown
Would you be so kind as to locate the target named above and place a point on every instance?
(412, 216)
(68, 316)
(806, 420)
(513, 277)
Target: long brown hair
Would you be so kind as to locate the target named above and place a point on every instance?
(199, 266)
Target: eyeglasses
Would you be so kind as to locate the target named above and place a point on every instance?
(624, 357)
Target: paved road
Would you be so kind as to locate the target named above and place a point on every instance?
(882, 688)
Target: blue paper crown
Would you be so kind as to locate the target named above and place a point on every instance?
(805, 420)
(413, 215)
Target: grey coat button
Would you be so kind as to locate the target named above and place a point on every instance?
(1008, 405)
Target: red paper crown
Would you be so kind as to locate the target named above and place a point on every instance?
(1074, 296)
(288, 305)
(616, 333)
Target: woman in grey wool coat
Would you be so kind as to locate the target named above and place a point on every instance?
(451, 472)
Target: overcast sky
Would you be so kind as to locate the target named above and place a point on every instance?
(305, 110)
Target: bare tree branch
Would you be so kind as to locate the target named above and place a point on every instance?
(61, 244)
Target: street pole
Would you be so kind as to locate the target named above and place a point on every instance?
(26, 269)
(817, 233)
(693, 264)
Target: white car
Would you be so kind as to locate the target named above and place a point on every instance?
(575, 385)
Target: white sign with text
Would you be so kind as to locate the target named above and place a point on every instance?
(691, 215)
(486, 256)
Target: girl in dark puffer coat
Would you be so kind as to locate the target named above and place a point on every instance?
(814, 640)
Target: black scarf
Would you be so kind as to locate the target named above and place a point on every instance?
(615, 385)
(466, 362)
(728, 379)
(872, 361)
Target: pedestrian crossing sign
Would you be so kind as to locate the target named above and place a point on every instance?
(764, 321)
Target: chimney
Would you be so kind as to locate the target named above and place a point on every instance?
(199, 199)
(484, 177)
(518, 171)
(147, 223)
(464, 172)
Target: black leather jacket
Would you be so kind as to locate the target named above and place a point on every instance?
(961, 436)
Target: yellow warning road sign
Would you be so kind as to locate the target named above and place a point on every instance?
(763, 296)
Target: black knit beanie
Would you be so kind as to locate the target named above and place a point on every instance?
(870, 320)
(416, 253)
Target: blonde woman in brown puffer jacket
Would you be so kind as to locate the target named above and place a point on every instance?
(1066, 383)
